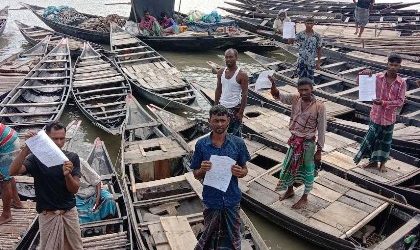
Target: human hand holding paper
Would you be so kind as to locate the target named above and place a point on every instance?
(220, 173)
(367, 87)
(46, 150)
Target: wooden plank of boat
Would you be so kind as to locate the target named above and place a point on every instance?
(151, 74)
(179, 232)
(47, 98)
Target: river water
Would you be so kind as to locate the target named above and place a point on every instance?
(193, 65)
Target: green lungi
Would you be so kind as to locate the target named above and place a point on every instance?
(377, 144)
(305, 172)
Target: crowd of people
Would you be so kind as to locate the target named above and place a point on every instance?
(71, 193)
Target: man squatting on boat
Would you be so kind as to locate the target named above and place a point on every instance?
(9, 147)
(390, 97)
(55, 189)
(308, 117)
(232, 91)
(309, 44)
(221, 209)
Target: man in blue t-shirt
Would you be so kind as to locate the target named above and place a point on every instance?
(221, 209)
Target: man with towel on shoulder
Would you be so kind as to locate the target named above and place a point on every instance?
(55, 189)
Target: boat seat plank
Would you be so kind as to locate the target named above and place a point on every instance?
(28, 114)
(271, 154)
(136, 53)
(131, 48)
(51, 78)
(44, 86)
(332, 65)
(178, 92)
(327, 84)
(262, 194)
(364, 198)
(86, 63)
(135, 156)
(325, 192)
(108, 111)
(400, 166)
(330, 184)
(161, 182)
(124, 41)
(357, 204)
(39, 104)
(352, 70)
(88, 92)
(396, 236)
(110, 117)
(88, 83)
(98, 76)
(349, 91)
(54, 61)
(52, 70)
(253, 146)
(287, 211)
(101, 97)
(413, 114)
(90, 57)
(179, 232)
(139, 60)
(340, 215)
(102, 105)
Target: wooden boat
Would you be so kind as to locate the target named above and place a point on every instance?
(267, 13)
(15, 67)
(188, 43)
(352, 122)
(162, 207)
(34, 34)
(336, 82)
(335, 195)
(42, 95)
(346, 11)
(3, 18)
(339, 151)
(340, 214)
(100, 90)
(378, 6)
(94, 235)
(153, 77)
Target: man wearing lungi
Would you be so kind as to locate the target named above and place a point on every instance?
(55, 189)
(308, 117)
(232, 91)
(9, 147)
(390, 96)
(361, 14)
(221, 209)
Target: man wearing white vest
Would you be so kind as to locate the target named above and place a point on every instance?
(232, 91)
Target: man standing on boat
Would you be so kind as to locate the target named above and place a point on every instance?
(55, 189)
(309, 45)
(390, 97)
(232, 91)
(308, 117)
(9, 147)
(221, 209)
(279, 21)
(361, 14)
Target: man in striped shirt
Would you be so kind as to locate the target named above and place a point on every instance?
(9, 146)
(390, 97)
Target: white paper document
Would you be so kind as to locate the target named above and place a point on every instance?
(220, 173)
(263, 82)
(46, 150)
(367, 88)
(289, 30)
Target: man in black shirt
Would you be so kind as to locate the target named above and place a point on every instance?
(55, 189)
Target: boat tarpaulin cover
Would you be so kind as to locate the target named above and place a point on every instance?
(155, 7)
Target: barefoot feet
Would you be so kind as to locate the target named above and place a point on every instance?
(302, 202)
(288, 194)
(5, 218)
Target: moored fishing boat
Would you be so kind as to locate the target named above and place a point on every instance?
(3, 18)
(111, 233)
(42, 95)
(335, 195)
(15, 67)
(401, 175)
(153, 77)
(100, 89)
(34, 34)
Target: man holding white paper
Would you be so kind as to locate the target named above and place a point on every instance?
(55, 189)
(220, 159)
(390, 97)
